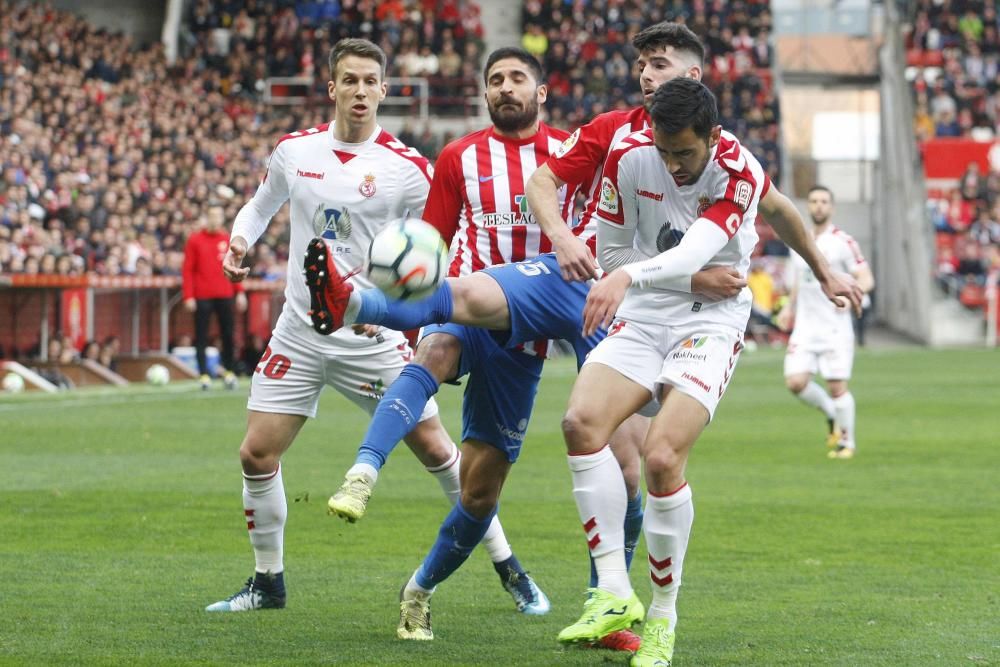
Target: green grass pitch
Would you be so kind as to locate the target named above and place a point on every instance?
(121, 518)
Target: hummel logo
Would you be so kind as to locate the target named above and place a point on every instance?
(613, 612)
(487, 179)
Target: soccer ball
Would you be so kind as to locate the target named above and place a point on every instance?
(13, 383)
(157, 375)
(407, 260)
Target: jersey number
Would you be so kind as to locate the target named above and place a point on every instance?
(273, 367)
(532, 268)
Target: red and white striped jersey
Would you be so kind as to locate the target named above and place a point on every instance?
(816, 318)
(637, 192)
(344, 193)
(477, 199)
(580, 159)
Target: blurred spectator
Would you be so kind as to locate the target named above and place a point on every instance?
(108, 356)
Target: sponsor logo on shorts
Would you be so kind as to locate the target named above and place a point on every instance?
(616, 326)
(697, 381)
(515, 435)
(686, 350)
(374, 389)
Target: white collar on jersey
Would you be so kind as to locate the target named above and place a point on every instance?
(352, 148)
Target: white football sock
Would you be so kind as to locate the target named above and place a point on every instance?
(817, 397)
(844, 405)
(266, 510)
(447, 475)
(668, 527)
(601, 500)
(413, 587)
(365, 469)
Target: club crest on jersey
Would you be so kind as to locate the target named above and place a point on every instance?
(703, 204)
(367, 187)
(331, 224)
(567, 146)
(609, 197)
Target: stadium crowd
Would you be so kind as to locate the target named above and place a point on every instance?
(110, 154)
(953, 58)
(586, 53)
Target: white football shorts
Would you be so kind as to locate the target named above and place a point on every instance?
(299, 362)
(833, 360)
(698, 359)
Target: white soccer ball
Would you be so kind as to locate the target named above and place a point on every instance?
(407, 260)
(13, 383)
(157, 375)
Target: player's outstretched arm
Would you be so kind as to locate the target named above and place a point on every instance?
(786, 221)
(574, 257)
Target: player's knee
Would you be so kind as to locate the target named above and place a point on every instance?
(577, 428)
(479, 502)
(430, 443)
(439, 354)
(257, 458)
(796, 384)
(663, 460)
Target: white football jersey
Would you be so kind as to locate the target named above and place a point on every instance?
(638, 192)
(345, 193)
(816, 317)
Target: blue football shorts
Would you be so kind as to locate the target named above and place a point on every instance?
(500, 390)
(543, 305)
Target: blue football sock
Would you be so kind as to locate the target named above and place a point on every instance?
(459, 535)
(396, 414)
(507, 567)
(405, 315)
(272, 583)
(633, 527)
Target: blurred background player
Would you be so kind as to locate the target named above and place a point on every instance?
(667, 352)
(823, 338)
(345, 180)
(207, 292)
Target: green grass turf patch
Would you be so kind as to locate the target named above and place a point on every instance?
(121, 518)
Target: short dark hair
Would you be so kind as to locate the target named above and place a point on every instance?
(821, 188)
(682, 103)
(353, 46)
(519, 54)
(666, 33)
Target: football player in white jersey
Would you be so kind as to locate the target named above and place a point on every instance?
(823, 339)
(345, 180)
(673, 200)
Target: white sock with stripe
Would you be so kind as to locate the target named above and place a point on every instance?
(668, 528)
(266, 510)
(601, 500)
